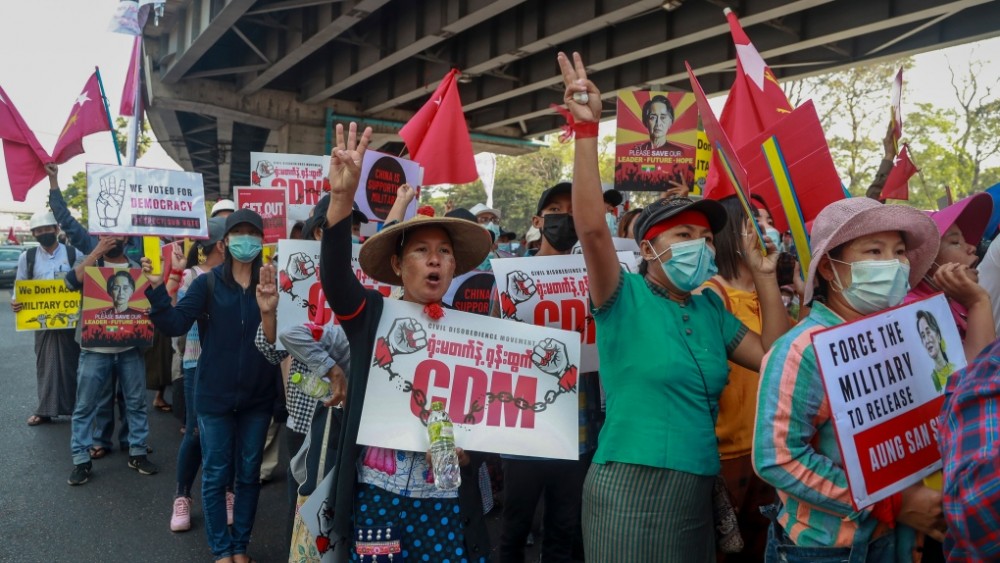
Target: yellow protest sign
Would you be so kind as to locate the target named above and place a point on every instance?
(46, 304)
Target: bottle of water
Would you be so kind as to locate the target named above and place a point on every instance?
(447, 475)
(311, 384)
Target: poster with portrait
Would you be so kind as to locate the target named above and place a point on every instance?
(471, 292)
(114, 312)
(45, 305)
(381, 176)
(270, 204)
(508, 388)
(656, 141)
(300, 293)
(302, 176)
(127, 200)
(552, 291)
(884, 376)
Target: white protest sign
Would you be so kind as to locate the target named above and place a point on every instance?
(125, 200)
(884, 375)
(508, 388)
(303, 176)
(300, 293)
(552, 291)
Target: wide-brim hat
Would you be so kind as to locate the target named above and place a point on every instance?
(470, 244)
(845, 220)
(972, 215)
(663, 209)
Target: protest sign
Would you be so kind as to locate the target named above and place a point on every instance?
(114, 308)
(45, 305)
(509, 388)
(471, 292)
(300, 293)
(656, 141)
(269, 203)
(125, 200)
(302, 176)
(884, 375)
(381, 176)
(552, 291)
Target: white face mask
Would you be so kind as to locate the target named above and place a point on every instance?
(876, 285)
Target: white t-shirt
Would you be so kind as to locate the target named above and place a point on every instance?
(989, 277)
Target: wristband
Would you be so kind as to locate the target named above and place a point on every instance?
(585, 130)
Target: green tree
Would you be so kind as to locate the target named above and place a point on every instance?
(121, 134)
(75, 195)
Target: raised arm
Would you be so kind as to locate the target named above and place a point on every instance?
(404, 195)
(75, 232)
(960, 283)
(584, 101)
(74, 279)
(774, 316)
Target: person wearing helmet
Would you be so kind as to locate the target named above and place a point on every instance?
(223, 208)
(57, 353)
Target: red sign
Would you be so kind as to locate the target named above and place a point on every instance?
(269, 203)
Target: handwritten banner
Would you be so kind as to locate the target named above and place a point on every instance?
(125, 200)
(300, 293)
(552, 291)
(508, 388)
(270, 204)
(115, 308)
(302, 176)
(884, 375)
(45, 305)
(656, 141)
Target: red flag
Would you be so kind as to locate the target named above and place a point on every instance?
(127, 107)
(87, 116)
(438, 138)
(11, 237)
(24, 154)
(897, 184)
(755, 102)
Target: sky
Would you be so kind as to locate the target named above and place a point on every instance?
(48, 58)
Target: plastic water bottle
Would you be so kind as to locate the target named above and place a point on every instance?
(447, 475)
(311, 384)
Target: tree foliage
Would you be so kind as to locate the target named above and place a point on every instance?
(121, 135)
(75, 195)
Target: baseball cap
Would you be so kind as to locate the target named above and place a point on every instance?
(241, 216)
(664, 209)
(560, 188)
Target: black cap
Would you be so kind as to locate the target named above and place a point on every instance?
(461, 213)
(508, 234)
(216, 230)
(560, 188)
(318, 216)
(664, 209)
(613, 197)
(241, 216)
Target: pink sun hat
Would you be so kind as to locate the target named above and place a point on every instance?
(971, 214)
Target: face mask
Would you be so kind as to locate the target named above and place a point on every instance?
(775, 237)
(493, 228)
(245, 248)
(355, 239)
(505, 247)
(560, 231)
(691, 263)
(46, 240)
(875, 284)
(116, 251)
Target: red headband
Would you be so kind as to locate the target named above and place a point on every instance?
(687, 217)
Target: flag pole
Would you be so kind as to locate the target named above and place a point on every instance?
(107, 112)
(136, 125)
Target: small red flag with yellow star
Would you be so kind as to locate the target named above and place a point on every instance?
(87, 116)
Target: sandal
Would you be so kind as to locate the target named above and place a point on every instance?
(163, 407)
(97, 452)
(35, 420)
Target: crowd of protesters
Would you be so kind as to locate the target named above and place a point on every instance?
(708, 376)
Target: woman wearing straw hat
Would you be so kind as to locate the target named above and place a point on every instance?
(865, 256)
(663, 350)
(377, 490)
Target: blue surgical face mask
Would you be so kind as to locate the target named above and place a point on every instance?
(245, 248)
(355, 239)
(691, 264)
(774, 235)
(493, 228)
(505, 247)
(875, 284)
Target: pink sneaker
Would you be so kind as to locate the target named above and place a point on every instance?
(230, 501)
(180, 520)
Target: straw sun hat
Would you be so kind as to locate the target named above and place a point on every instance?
(470, 243)
(848, 219)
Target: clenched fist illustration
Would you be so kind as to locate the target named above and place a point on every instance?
(405, 336)
(520, 288)
(551, 356)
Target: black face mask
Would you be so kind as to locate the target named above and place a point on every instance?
(560, 231)
(117, 251)
(46, 240)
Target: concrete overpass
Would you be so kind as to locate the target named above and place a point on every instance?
(227, 77)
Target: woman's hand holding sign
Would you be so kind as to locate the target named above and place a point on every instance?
(345, 171)
(147, 268)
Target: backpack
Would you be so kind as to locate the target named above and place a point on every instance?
(32, 253)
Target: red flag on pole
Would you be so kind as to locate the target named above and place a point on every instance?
(127, 107)
(438, 138)
(897, 183)
(24, 154)
(11, 237)
(755, 102)
(87, 116)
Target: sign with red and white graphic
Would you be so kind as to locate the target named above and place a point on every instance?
(884, 375)
(508, 388)
(552, 291)
(270, 204)
(114, 312)
(302, 176)
(300, 294)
